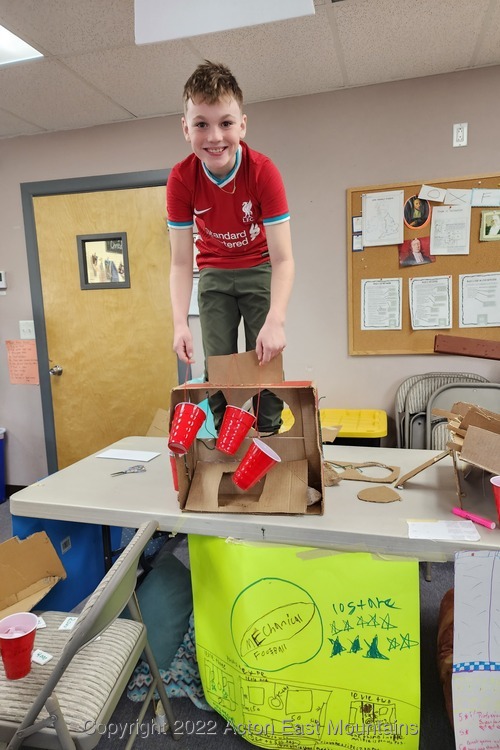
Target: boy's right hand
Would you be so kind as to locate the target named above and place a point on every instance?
(183, 345)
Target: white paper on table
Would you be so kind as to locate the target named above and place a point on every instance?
(381, 304)
(382, 215)
(430, 302)
(450, 230)
(485, 197)
(479, 300)
(463, 531)
(128, 455)
(430, 193)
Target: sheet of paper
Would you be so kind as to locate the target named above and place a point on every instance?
(476, 650)
(450, 230)
(458, 197)
(357, 224)
(430, 302)
(128, 455)
(463, 531)
(431, 193)
(479, 300)
(304, 650)
(383, 218)
(381, 304)
(357, 242)
(485, 197)
(23, 362)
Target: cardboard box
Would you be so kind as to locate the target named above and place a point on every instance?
(29, 569)
(205, 483)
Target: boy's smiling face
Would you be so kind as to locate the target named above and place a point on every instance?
(214, 132)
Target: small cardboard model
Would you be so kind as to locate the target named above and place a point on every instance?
(29, 569)
(205, 483)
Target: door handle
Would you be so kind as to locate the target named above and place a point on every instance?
(56, 370)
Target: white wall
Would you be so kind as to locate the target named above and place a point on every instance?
(323, 144)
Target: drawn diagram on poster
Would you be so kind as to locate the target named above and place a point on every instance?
(450, 230)
(476, 650)
(382, 215)
(479, 300)
(304, 650)
(381, 304)
(430, 302)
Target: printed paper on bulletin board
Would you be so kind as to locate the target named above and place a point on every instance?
(304, 648)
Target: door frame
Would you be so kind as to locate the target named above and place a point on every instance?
(29, 191)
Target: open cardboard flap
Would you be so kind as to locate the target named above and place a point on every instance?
(29, 569)
(204, 473)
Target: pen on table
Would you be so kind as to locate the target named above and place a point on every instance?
(475, 519)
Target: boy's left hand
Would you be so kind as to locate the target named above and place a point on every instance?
(270, 342)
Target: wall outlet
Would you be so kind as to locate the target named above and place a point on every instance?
(26, 329)
(460, 134)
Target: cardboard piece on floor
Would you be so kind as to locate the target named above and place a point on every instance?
(29, 569)
(352, 471)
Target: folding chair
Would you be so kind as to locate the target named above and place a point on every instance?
(66, 702)
(417, 398)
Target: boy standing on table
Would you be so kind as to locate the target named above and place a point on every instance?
(238, 201)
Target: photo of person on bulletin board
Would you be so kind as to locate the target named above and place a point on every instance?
(415, 252)
(417, 212)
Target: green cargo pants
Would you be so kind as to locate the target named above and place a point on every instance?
(224, 298)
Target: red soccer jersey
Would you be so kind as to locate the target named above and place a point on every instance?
(231, 215)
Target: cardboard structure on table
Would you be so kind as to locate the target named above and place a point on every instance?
(204, 473)
(474, 438)
(29, 569)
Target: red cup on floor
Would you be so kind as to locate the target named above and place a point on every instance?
(234, 429)
(495, 483)
(256, 462)
(188, 418)
(17, 637)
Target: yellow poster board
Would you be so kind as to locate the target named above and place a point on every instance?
(306, 648)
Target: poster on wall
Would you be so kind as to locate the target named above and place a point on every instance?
(306, 648)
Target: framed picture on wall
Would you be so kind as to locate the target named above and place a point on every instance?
(490, 226)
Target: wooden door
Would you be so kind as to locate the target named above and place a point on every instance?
(114, 345)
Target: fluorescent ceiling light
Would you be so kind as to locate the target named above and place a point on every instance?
(164, 20)
(13, 49)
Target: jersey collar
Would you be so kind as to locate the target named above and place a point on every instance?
(221, 181)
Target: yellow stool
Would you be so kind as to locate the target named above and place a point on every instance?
(357, 426)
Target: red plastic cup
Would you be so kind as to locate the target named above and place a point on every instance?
(234, 429)
(17, 637)
(188, 418)
(256, 462)
(175, 477)
(495, 483)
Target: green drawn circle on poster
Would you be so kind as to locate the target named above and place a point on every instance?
(274, 624)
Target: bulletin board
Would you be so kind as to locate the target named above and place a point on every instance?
(383, 262)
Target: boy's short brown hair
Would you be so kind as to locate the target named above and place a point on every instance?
(210, 83)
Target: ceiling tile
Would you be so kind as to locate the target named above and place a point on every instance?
(289, 58)
(146, 80)
(385, 41)
(10, 126)
(70, 26)
(53, 97)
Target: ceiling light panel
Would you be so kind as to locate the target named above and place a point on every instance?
(13, 49)
(164, 20)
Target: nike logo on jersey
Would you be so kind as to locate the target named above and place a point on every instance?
(201, 211)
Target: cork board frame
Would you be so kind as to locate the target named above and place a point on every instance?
(383, 262)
